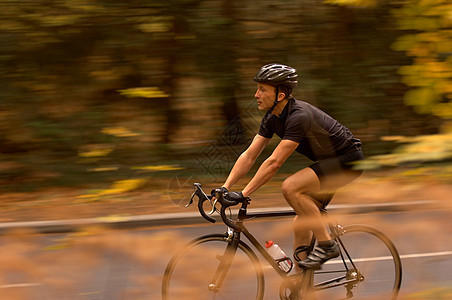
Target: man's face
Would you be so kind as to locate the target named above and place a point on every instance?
(265, 96)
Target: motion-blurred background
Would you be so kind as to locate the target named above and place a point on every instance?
(103, 97)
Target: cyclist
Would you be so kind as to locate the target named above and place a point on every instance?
(308, 130)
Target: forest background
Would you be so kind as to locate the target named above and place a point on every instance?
(101, 99)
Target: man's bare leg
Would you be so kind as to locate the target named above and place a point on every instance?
(296, 189)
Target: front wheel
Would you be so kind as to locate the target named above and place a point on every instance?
(210, 267)
(369, 267)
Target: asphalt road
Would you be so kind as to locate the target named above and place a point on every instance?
(128, 264)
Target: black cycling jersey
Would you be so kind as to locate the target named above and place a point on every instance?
(319, 135)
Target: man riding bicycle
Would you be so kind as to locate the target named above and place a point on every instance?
(306, 129)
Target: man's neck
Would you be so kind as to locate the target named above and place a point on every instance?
(280, 107)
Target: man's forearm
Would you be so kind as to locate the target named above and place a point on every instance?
(240, 169)
(266, 171)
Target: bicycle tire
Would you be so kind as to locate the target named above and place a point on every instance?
(190, 271)
(378, 264)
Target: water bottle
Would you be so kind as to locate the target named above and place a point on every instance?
(284, 262)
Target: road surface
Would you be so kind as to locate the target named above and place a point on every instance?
(97, 263)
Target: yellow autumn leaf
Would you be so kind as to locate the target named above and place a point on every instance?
(393, 138)
(103, 169)
(118, 187)
(159, 168)
(416, 172)
(154, 27)
(129, 184)
(357, 3)
(144, 92)
(95, 152)
(118, 131)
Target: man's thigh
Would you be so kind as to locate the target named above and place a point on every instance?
(308, 181)
(304, 181)
(320, 188)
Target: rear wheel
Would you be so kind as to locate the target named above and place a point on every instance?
(195, 271)
(369, 267)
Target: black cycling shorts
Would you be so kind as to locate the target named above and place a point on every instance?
(338, 164)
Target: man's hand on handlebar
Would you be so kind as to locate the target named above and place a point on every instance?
(231, 196)
(222, 189)
(226, 199)
(235, 196)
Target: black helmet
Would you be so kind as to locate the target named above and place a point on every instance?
(277, 75)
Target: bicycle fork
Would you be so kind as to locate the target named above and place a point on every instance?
(225, 261)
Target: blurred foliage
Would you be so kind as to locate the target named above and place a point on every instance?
(354, 3)
(117, 187)
(429, 77)
(417, 150)
(430, 45)
(147, 92)
(92, 89)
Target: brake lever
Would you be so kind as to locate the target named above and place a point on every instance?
(214, 208)
(191, 200)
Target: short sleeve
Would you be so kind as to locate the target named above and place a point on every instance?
(267, 126)
(296, 127)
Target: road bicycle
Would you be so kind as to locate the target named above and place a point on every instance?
(224, 266)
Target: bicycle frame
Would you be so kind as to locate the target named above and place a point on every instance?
(236, 228)
(235, 235)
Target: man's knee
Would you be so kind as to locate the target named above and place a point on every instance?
(290, 188)
(286, 188)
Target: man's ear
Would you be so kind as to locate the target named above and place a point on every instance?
(281, 96)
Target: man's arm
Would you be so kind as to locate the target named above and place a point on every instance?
(270, 166)
(246, 160)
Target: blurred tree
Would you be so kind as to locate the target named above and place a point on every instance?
(217, 58)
